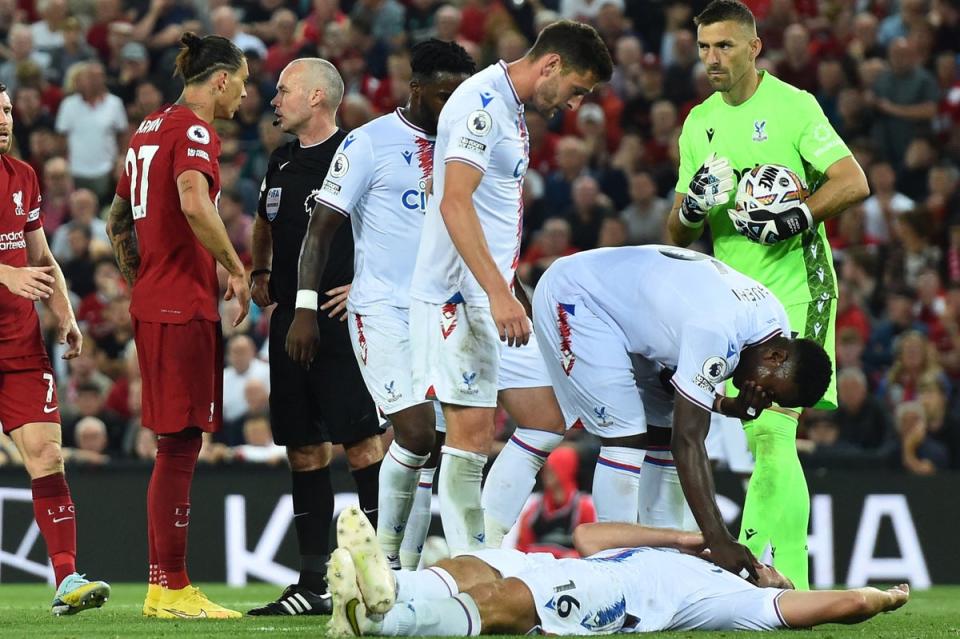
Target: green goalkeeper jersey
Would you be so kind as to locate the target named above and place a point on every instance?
(778, 124)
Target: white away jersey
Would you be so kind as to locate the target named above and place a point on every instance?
(378, 178)
(683, 309)
(482, 125)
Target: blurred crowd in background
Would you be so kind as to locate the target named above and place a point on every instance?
(83, 73)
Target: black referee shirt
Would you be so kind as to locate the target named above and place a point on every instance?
(287, 197)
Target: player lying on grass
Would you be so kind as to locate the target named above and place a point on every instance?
(637, 579)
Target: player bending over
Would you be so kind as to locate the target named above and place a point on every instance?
(649, 583)
(664, 315)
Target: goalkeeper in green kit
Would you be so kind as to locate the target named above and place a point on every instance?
(753, 118)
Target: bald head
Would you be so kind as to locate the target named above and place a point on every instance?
(317, 73)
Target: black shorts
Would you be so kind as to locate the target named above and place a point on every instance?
(329, 402)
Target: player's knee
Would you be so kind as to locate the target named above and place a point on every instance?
(42, 458)
(364, 452)
(418, 441)
(307, 458)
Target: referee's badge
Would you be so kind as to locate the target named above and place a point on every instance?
(273, 203)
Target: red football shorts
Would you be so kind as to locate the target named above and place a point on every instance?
(28, 392)
(182, 370)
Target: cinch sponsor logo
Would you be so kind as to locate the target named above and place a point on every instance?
(12, 241)
(415, 199)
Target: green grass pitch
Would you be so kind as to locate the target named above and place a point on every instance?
(24, 612)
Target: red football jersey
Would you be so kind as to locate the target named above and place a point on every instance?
(177, 280)
(19, 215)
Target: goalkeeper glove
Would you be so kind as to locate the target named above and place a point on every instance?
(766, 227)
(711, 186)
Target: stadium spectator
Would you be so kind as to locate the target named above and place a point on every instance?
(420, 21)
(386, 19)
(226, 24)
(91, 443)
(914, 252)
(943, 418)
(571, 160)
(613, 232)
(83, 371)
(916, 451)
(911, 14)
(78, 270)
(258, 446)
(90, 402)
(107, 285)
(850, 313)
(145, 446)
(863, 420)
(94, 122)
(21, 50)
(243, 366)
(678, 74)
(585, 10)
(286, 46)
(859, 271)
(798, 67)
(73, 50)
(29, 115)
(646, 215)
(588, 208)
(628, 55)
(548, 522)
(552, 241)
(113, 344)
(449, 20)
(83, 214)
(885, 203)
(134, 69)
(904, 100)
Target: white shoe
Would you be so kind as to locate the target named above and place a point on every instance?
(349, 614)
(374, 577)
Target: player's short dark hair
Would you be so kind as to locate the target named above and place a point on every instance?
(579, 45)
(723, 10)
(199, 58)
(813, 371)
(433, 56)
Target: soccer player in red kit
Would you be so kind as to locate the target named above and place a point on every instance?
(168, 237)
(29, 411)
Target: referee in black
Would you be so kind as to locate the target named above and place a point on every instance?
(328, 403)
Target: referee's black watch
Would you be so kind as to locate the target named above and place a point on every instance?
(259, 271)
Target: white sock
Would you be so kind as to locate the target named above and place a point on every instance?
(616, 483)
(418, 524)
(432, 583)
(461, 473)
(451, 617)
(398, 481)
(662, 504)
(511, 478)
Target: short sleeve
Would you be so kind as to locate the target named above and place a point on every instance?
(64, 116)
(472, 137)
(350, 174)
(193, 149)
(34, 219)
(818, 143)
(706, 359)
(688, 166)
(119, 117)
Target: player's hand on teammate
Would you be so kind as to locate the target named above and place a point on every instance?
(237, 288)
(735, 558)
(766, 227)
(511, 319)
(710, 187)
(32, 282)
(337, 301)
(69, 333)
(751, 401)
(260, 289)
(303, 338)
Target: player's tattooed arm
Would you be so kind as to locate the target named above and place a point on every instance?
(123, 237)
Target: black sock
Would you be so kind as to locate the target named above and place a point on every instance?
(368, 482)
(313, 510)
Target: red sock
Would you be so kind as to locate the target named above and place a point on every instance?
(57, 518)
(154, 576)
(168, 505)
